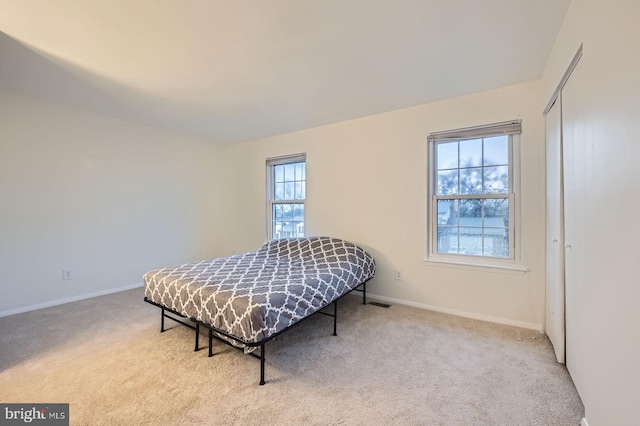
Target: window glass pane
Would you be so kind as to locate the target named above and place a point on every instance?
(287, 212)
(279, 191)
(289, 190)
(298, 212)
(471, 241)
(496, 150)
(496, 180)
(299, 172)
(471, 212)
(276, 221)
(496, 211)
(447, 239)
(277, 212)
(471, 181)
(288, 220)
(471, 153)
(447, 155)
(447, 182)
(278, 172)
(496, 242)
(448, 212)
(475, 227)
(298, 192)
(289, 172)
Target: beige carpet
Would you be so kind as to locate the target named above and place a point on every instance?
(401, 365)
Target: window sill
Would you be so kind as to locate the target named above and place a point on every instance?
(477, 266)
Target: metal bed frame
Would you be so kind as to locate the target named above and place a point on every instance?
(261, 344)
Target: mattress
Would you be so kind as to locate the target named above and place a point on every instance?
(255, 295)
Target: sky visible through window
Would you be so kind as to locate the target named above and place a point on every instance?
(473, 166)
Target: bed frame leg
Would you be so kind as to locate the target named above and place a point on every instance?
(364, 293)
(210, 343)
(162, 321)
(262, 364)
(197, 348)
(335, 318)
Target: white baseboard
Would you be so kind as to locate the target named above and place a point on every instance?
(584, 422)
(68, 300)
(498, 320)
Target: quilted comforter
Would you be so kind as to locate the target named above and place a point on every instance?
(255, 295)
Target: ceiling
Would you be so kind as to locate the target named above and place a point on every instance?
(237, 70)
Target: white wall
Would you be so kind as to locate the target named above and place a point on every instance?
(605, 105)
(107, 199)
(367, 183)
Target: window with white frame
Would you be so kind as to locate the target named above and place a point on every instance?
(473, 194)
(286, 194)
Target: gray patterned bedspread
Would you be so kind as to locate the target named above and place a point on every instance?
(254, 295)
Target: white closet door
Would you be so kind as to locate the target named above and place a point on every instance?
(575, 193)
(555, 294)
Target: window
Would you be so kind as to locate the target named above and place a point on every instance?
(473, 190)
(286, 194)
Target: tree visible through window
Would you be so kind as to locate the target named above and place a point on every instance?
(286, 198)
(473, 192)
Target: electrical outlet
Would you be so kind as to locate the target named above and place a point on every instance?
(398, 275)
(66, 274)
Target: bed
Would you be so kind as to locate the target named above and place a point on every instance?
(246, 300)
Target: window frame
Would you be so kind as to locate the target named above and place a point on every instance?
(512, 129)
(270, 190)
